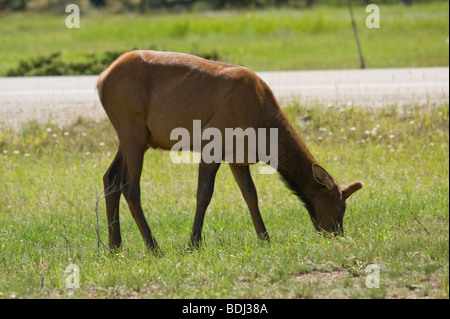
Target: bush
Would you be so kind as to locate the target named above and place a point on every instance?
(93, 64)
(54, 65)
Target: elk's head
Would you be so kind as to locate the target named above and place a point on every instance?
(327, 207)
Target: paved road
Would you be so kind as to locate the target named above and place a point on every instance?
(372, 87)
(63, 99)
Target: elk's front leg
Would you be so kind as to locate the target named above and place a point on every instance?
(205, 190)
(244, 180)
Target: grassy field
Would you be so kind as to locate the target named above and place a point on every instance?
(51, 183)
(319, 38)
(51, 206)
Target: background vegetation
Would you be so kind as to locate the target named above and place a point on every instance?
(143, 5)
(271, 39)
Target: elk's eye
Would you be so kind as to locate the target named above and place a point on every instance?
(343, 207)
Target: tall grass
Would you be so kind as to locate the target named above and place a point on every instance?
(51, 178)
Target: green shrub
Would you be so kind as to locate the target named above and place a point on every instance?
(53, 64)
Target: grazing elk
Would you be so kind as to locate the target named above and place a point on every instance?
(147, 94)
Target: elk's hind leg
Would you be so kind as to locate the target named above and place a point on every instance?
(111, 182)
(134, 142)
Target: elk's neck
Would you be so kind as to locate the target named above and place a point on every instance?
(295, 163)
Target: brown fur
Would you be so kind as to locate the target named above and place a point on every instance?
(147, 94)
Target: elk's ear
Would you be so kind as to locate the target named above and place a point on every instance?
(322, 177)
(351, 189)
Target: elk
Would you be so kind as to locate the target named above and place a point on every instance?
(146, 94)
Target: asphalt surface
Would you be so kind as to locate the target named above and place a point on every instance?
(63, 99)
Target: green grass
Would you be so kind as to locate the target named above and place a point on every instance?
(284, 39)
(51, 178)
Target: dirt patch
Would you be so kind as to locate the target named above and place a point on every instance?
(340, 284)
(326, 284)
(318, 276)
